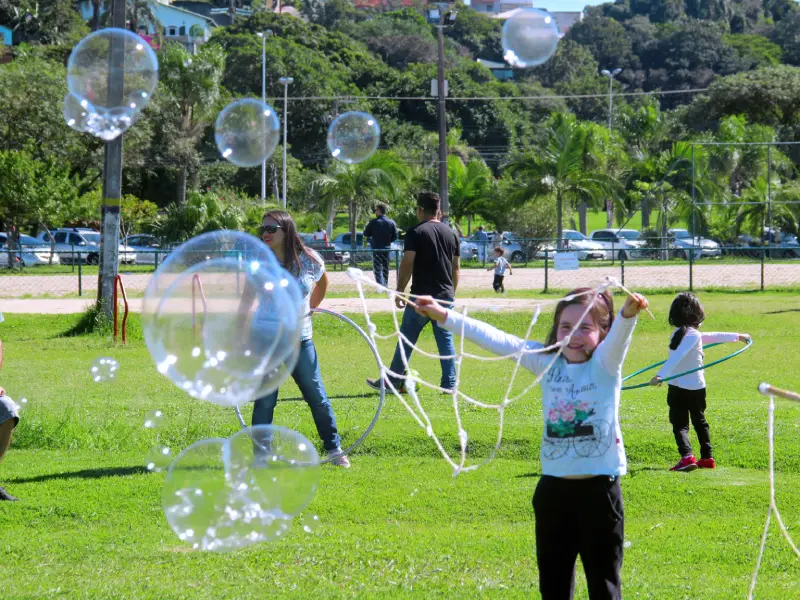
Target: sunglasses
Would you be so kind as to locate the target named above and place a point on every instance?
(272, 228)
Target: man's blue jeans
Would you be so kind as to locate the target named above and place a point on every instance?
(411, 327)
(309, 379)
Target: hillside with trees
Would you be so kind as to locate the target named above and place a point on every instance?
(521, 151)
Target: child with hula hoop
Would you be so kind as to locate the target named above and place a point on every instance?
(686, 395)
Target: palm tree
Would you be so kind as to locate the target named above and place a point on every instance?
(470, 186)
(139, 13)
(193, 85)
(558, 170)
(359, 185)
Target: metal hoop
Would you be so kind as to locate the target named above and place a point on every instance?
(671, 377)
(381, 400)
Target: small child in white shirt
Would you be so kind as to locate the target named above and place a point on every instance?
(500, 265)
(686, 396)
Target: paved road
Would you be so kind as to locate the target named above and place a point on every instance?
(650, 277)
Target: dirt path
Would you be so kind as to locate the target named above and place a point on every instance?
(650, 277)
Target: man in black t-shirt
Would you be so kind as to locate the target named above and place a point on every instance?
(381, 232)
(431, 259)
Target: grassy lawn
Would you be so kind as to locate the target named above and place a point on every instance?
(397, 524)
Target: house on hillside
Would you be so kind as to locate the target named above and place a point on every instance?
(501, 71)
(503, 9)
(6, 36)
(177, 24)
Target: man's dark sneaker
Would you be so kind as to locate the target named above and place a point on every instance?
(375, 384)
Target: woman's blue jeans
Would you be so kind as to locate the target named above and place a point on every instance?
(308, 378)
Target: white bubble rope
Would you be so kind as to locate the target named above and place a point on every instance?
(772, 392)
(415, 408)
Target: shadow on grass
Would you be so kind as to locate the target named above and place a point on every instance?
(781, 312)
(84, 474)
(527, 476)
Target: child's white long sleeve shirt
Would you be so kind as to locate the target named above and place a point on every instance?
(581, 434)
(689, 355)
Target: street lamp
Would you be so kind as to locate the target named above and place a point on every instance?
(264, 35)
(610, 75)
(285, 82)
(440, 18)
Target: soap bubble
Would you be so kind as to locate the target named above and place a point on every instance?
(106, 70)
(222, 319)
(77, 111)
(530, 37)
(158, 458)
(310, 523)
(154, 419)
(104, 369)
(223, 495)
(247, 132)
(353, 137)
(279, 466)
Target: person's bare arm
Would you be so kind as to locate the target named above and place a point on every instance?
(319, 291)
(456, 271)
(406, 268)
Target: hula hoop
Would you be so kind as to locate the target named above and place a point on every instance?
(381, 400)
(671, 377)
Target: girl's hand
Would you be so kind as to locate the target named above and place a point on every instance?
(745, 338)
(634, 304)
(656, 381)
(428, 307)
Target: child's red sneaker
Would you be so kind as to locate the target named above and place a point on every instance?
(687, 463)
(707, 463)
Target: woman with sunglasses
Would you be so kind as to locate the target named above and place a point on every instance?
(280, 233)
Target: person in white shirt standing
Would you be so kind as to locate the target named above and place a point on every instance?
(500, 266)
(686, 395)
(578, 500)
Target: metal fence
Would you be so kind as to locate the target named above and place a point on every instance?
(541, 268)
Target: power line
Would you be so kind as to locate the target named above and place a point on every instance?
(489, 98)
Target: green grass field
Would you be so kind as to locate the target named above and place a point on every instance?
(397, 524)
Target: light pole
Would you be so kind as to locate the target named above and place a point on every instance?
(441, 19)
(264, 35)
(610, 75)
(285, 82)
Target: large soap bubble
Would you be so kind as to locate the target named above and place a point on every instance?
(353, 137)
(222, 319)
(530, 37)
(115, 72)
(247, 132)
(224, 495)
(77, 112)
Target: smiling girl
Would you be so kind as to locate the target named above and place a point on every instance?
(578, 500)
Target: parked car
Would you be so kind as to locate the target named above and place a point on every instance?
(342, 244)
(83, 244)
(586, 249)
(146, 247)
(682, 242)
(326, 250)
(623, 244)
(513, 250)
(31, 252)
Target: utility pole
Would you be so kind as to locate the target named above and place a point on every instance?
(285, 82)
(264, 35)
(112, 176)
(443, 183)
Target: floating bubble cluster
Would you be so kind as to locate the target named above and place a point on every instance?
(222, 319)
(529, 38)
(104, 369)
(247, 132)
(111, 75)
(353, 137)
(225, 494)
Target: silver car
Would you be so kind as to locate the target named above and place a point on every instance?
(31, 253)
(83, 245)
(146, 247)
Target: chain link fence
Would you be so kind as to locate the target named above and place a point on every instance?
(537, 267)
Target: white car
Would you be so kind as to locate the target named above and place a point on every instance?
(681, 241)
(32, 252)
(83, 244)
(586, 249)
(622, 244)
